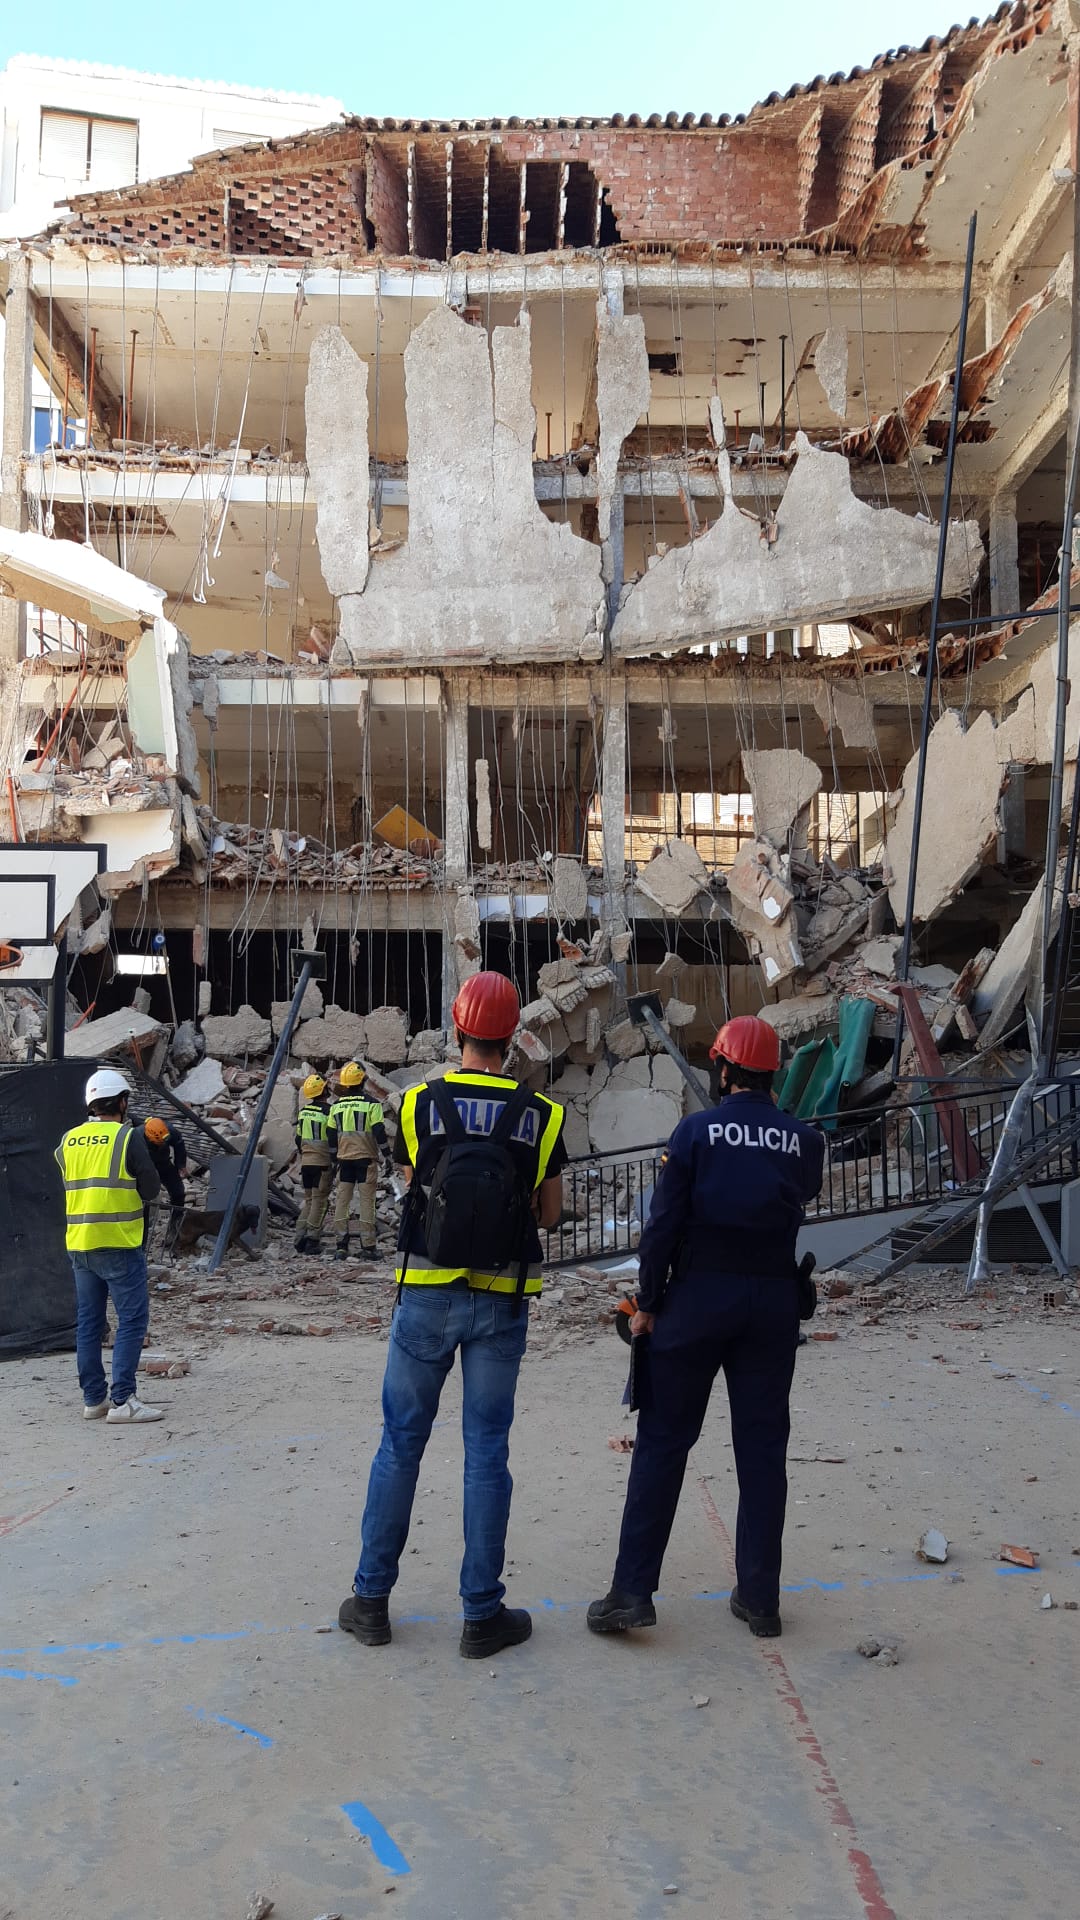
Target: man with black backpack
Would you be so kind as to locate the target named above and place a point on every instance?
(483, 1159)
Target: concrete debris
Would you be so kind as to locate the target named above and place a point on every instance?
(679, 1013)
(229, 1034)
(621, 944)
(964, 780)
(1047, 1602)
(623, 396)
(480, 559)
(427, 1046)
(336, 412)
(884, 1653)
(782, 785)
(634, 1108)
(674, 877)
(762, 901)
(203, 1085)
(802, 1016)
(206, 998)
(671, 967)
(569, 889)
(311, 1007)
(831, 367)
(387, 1038)
(335, 1035)
(731, 581)
(186, 1046)
(998, 994)
(260, 1907)
(483, 806)
(880, 955)
(126, 1031)
(933, 1547)
(625, 1040)
(1019, 1556)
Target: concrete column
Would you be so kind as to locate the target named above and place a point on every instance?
(1004, 563)
(456, 836)
(16, 436)
(613, 804)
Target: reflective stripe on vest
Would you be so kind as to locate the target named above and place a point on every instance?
(420, 1271)
(311, 1124)
(100, 1195)
(355, 1115)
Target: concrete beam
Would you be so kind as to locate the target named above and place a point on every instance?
(549, 274)
(613, 801)
(1004, 557)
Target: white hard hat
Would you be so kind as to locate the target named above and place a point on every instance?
(106, 1084)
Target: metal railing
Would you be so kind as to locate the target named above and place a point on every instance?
(876, 1162)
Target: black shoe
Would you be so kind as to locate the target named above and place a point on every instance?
(767, 1626)
(342, 1248)
(618, 1610)
(507, 1628)
(367, 1620)
(369, 1253)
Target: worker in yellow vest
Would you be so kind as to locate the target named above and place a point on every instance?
(317, 1141)
(361, 1133)
(109, 1178)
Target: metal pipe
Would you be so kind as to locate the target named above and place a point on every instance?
(276, 1064)
(931, 651)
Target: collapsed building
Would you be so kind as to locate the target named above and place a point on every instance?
(548, 515)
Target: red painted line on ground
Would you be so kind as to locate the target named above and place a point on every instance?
(867, 1885)
(9, 1522)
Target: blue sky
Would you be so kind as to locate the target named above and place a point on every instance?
(446, 58)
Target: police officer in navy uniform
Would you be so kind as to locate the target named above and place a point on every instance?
(446, 1309)
(717, 1289)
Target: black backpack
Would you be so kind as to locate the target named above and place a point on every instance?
(476, 1211)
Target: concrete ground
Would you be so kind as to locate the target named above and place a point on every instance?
(179, 1727)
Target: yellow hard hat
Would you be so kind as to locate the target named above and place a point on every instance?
(156, 1131)
(314, 1087)
(353, 1074)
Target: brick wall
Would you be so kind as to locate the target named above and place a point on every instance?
(386, 198)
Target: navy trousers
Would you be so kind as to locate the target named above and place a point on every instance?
(748, 1326)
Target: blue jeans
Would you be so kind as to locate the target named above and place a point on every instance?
(429, 1327)
(118, 1273)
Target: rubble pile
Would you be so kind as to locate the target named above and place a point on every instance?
(246, 856)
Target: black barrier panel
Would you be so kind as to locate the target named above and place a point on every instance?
(37, 1292)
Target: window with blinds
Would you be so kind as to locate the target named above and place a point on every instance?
(88, 149)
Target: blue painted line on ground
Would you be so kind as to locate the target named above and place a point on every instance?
(235, 1726)
(1038, 1393)
(1006, 1570)
(386, 1851)
(24, 1673)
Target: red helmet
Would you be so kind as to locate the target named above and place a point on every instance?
(487, 1007)
(747, 1042)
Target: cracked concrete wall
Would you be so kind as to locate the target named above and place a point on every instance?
(483, 574)
(336, 411)
(623, 394)
(831, 367)
(833, 556)
(964, 778)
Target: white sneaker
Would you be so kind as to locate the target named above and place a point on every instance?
(98, 1412)
(131, 1411)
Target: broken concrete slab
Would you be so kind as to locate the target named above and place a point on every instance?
(481, 559)
(963, 787)
(556, 973)
(782, 783)
(671, 967)
(113, 1033)
(804, 1014)
(483, 806)
(387, 1036)
(880, 955)
(853, 713)
(996, 999)
(229, 1034)
(336, 414)
(679, 1013)
(311, 1006)
(203, 1085)
(674, 876)
(428, 1044)
(831, 367)
(624, 1040)
(731, 580)
(569, 889)
(336, 1035)
(621, 1117)
(623, 395)
(760, 903)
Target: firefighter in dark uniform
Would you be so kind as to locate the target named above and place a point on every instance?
(717, 1289)
(446, 1130)
(169, 1155)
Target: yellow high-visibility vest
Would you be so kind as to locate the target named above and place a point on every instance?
(102, 1200)
(355, 1115)
(311, 1124)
